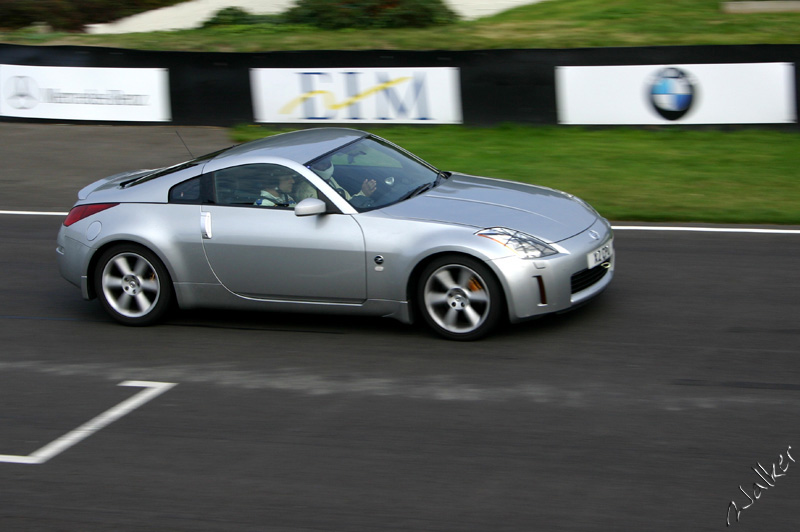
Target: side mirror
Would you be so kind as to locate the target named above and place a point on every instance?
(310, 207)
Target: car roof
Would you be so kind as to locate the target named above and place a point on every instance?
(299, 146)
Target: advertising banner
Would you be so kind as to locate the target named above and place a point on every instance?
(82, 93)
(739, 93)
(359, 95)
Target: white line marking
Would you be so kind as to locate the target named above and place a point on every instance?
(706, 229)
(154, 389)
(35, 213)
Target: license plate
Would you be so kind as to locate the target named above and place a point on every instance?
(601, 254)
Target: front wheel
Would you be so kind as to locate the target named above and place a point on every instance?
(459, 298)
(133, 285)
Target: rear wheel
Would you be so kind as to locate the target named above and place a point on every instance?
(133, 285)
(460, 298)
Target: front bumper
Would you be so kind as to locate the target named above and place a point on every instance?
(558, 283)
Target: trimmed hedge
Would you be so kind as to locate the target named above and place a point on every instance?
(338, 14)
(71, 15)
(234, 16)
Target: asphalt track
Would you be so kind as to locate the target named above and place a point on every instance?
(645, 410)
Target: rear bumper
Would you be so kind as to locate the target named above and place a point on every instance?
(72, 258)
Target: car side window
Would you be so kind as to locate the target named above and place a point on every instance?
(259, 185)
(186, 192)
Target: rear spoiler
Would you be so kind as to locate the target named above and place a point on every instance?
(111, 182)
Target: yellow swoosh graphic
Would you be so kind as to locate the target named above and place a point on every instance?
(330, 99)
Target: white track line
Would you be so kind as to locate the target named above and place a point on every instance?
(615, 227)
(35, 213)
(706, 229)
(154, 389)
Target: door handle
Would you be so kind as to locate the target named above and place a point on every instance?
(205, 224)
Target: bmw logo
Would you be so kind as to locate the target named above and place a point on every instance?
(672, 93)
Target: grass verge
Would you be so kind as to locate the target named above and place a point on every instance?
(627, 174)
(550, 24)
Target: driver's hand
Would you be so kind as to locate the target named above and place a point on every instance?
(368, 187)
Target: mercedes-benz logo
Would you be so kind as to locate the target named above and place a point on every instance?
(22, 92)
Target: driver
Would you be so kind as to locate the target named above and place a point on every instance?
(324, 169)
(276, 192)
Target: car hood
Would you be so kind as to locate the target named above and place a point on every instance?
(481, 202)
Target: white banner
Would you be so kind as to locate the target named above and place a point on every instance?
(743, 93)
(84, 93)
(358, 95)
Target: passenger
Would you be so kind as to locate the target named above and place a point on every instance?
(276, 192)
(324, 169)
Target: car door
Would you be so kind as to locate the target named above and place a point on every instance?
(270, 253)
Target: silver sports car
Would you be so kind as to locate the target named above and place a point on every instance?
(333, 220)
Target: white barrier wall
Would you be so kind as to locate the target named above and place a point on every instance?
(357, 95)
(81, 93)
(739, 93)
(662, 85)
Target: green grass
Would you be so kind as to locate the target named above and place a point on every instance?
(550, 24)
(743, 176)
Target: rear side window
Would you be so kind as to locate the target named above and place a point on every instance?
(186, 192)
(172, 169)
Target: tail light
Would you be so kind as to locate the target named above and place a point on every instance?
(83, 211)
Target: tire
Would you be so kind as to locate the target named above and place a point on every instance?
(460, 298)
(133, 285)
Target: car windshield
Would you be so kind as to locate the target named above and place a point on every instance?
(371, 173)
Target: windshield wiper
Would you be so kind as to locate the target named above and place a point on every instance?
(419, 190)
(427, 186)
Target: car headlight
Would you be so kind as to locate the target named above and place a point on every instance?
(523, 244)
